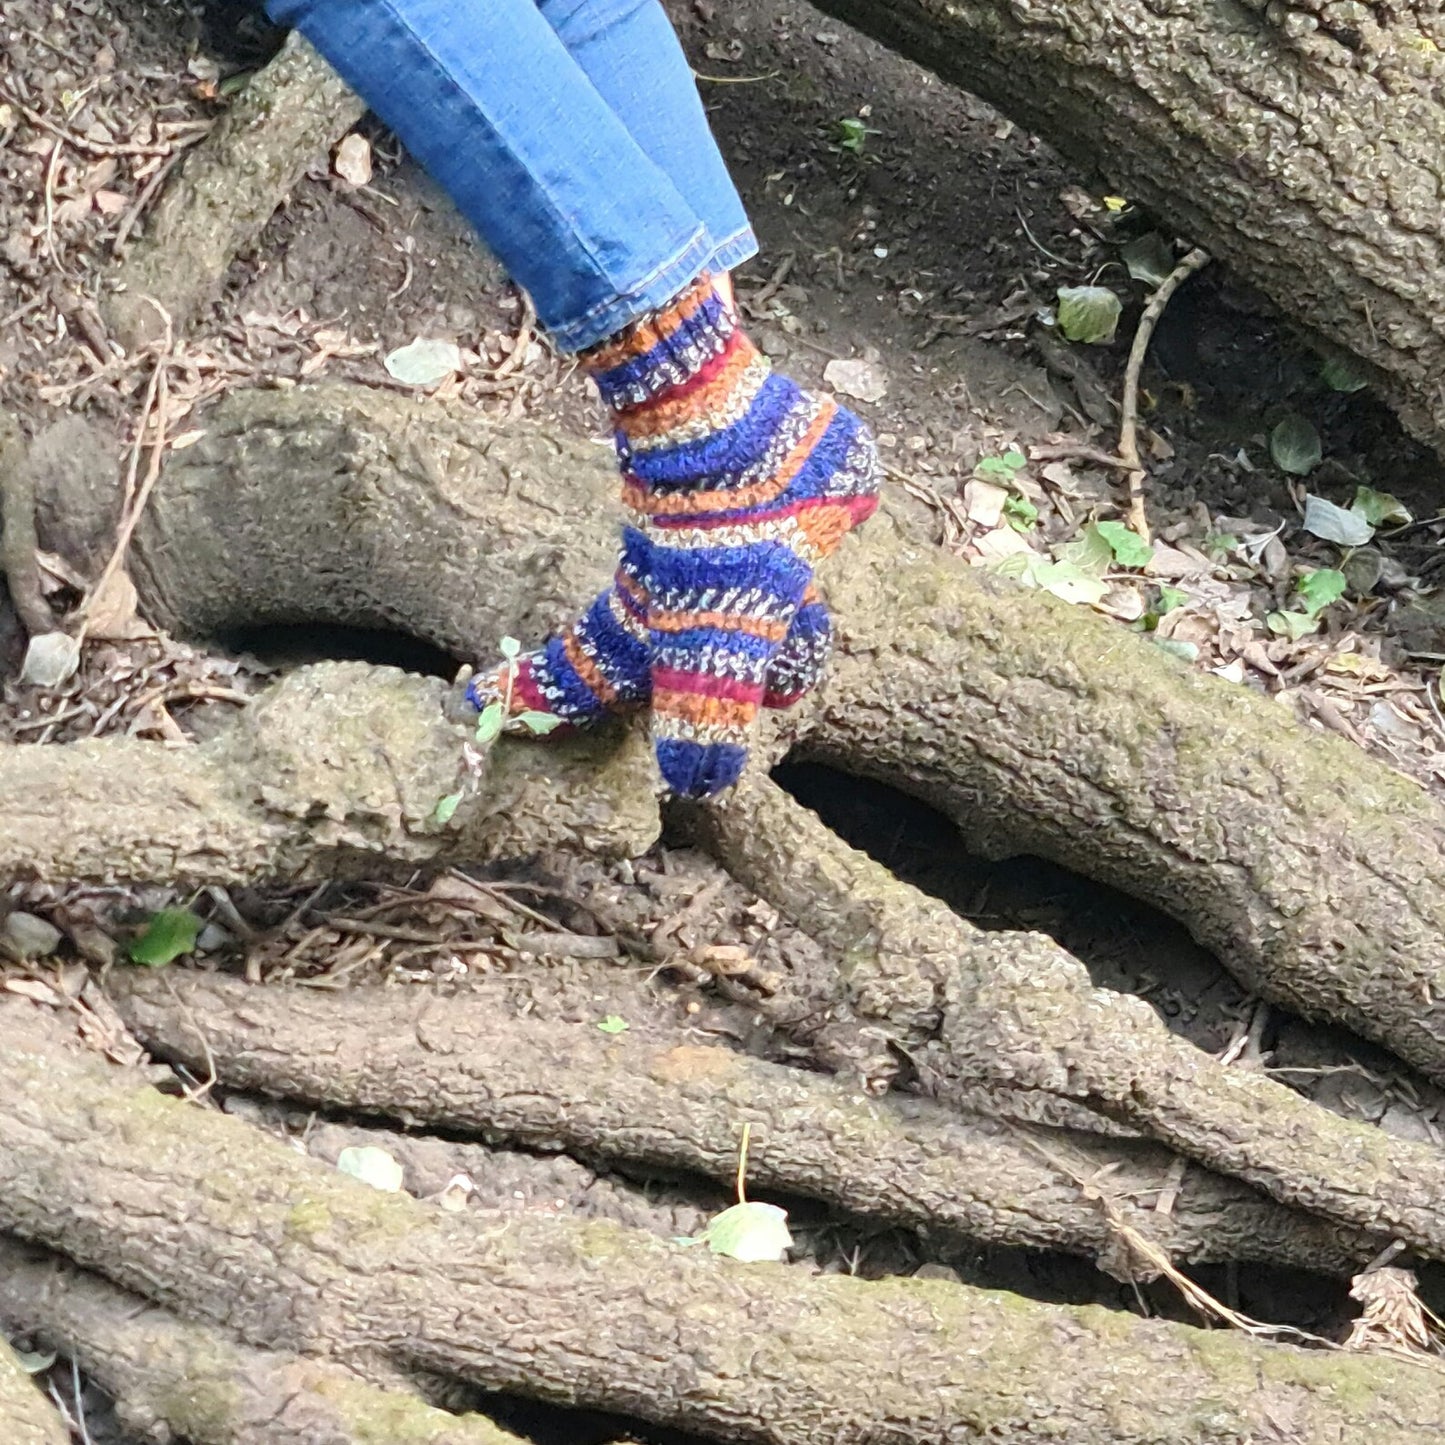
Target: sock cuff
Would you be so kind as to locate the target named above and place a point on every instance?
(664, 350)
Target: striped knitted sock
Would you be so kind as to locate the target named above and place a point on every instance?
(738, 481)
(601, 666)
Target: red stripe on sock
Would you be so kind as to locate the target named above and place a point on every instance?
(525, 689)
(705, 684)
(700, 378)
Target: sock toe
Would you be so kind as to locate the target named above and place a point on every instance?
(699, 770)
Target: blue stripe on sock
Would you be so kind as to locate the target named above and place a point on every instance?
(698, 770)
(701, 336)
(716, 458)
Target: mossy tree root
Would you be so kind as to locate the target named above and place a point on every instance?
(227, 188)
(200, 1212)
(1016, 1010)
(26, 1416)
(336, 770)
(1314, 872)
(484, 1063)
(182, 1378)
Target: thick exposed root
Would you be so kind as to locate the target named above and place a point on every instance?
(1015, 1009)
(1314, 872)
(483, 1062)
(1262, 129)
(181, 1378)
(236, 1230)
(26, 1416)
(337, 769)
(228, 188)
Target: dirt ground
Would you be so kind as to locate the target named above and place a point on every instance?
(903, 224)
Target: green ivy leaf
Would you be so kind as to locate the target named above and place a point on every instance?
(1069, 583)
(1319, 588)
(1002, 469)
(613, 1024)
(539, 723)
(1089, 313)
(489, 725)
(1170, 598)
(446, 808)
(166, 936)
(1292, 625)
(1295, 446)
(1343, 373)
(1128, 547)
(1379, 508)
(752, 1233)
(1149, 258)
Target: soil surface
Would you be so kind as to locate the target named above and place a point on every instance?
(905, 226)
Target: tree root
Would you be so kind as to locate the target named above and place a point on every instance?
(336, 770)
(17, 532)
(195, 1210)
(26, 1416)
(1263, 131)
(1316, 874)
(200, 1382)
(1016, 1010)
(227, 189)
(482, 1062)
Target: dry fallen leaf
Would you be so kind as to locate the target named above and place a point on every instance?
(1001, 542)
(984, 502)
(50, 659)
(111, 615)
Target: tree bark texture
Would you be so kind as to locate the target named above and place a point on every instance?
(338, 769)
(1313, 872)
(1302, 141)
(229, 187)
(175, 1375)
(26, 1416)
(484, 1062)
(204, 1217)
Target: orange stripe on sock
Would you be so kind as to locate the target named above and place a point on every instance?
(643, 335)
(587, 669)
(687, 504)
(699, 711)
(657, 418)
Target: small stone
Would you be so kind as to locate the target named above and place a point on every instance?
(31, 937)
(50, 660)
(862, 379)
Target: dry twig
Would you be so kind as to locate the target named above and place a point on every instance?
(1196, 260)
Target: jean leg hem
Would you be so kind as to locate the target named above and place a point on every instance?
(739, 247)
(650, 294)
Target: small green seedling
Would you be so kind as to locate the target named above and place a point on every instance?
(853, 135)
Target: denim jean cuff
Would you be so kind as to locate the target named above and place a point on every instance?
(652, 293)
(739, 247)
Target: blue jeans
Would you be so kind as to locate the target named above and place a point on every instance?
(569, 133)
